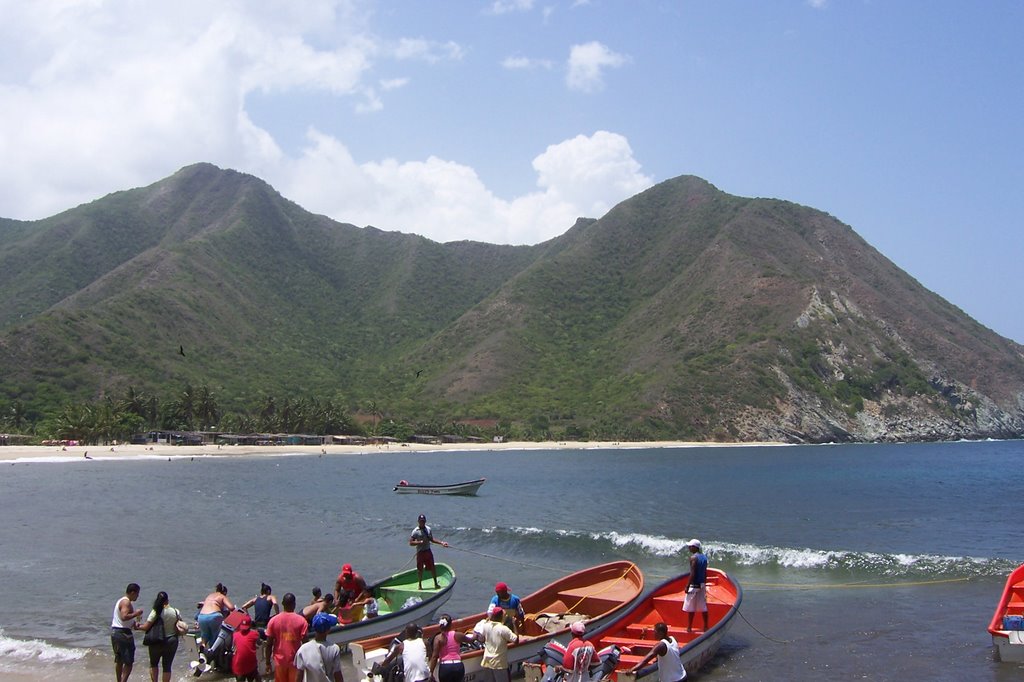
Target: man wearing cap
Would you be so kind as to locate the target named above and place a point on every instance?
(349, 587)
(244, 663)
(421, 538)
(511, 604)
(670, 665)
(316, 660)
(696, 588)
(496, 637)
(285, 633)
(580, 653)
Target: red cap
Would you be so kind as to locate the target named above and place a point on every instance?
(501, 587)
(245, 623)
(347, 569)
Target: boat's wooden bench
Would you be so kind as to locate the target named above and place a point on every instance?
(586, 602)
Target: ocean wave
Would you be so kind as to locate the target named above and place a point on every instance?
(640, 545)
(28, 650)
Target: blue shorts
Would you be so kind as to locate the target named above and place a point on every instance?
(209, 627)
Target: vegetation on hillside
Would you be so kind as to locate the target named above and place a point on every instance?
(683, 313)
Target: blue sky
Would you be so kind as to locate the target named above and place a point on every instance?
(504, 121)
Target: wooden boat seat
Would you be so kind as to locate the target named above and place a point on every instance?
(586, 603)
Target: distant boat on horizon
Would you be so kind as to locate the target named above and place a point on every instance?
(464, 488)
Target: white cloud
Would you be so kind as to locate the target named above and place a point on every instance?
(507, 6)
(818, 4)
(427, 50)
(104, 96)
(525, 63)
(587, 64)
(446, 201)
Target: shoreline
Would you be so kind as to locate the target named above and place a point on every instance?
(73, 453)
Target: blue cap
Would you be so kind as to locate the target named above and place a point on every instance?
(323, 622)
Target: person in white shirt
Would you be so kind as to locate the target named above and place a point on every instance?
(316, 660)
(670, 666)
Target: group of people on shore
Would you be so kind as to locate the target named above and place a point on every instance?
(275, 625)
(440, 660)
(282, 630)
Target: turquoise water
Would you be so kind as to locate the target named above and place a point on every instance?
(874, 561)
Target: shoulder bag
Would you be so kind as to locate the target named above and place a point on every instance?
(155, 633)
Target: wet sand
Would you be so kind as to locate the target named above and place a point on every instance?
(28, 453)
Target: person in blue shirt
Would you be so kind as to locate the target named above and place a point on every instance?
(696, 588)
(510, 604)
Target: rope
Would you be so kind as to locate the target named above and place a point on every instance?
(850, 586)
(511, 561)
(533, 616)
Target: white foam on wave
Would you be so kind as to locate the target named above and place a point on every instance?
(29, 650)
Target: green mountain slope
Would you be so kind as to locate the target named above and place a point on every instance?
(684, 313)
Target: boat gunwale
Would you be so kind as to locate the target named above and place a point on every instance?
(385, 617)
(995, 626)
(552, 589)
(691, 647)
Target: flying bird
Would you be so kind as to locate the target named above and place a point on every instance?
(418, 373)
(181, 351)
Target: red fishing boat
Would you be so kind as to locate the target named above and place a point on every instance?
(1007, 626)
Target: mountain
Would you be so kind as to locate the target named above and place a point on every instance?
(684, 312)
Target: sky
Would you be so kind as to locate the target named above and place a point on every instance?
(504, 120)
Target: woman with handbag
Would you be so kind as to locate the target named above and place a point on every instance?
(162, 628)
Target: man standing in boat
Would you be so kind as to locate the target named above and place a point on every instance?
(696, 589)
(421, 539)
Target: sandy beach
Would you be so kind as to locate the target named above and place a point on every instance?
(53, 453)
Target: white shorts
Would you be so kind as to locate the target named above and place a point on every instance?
(696, 599)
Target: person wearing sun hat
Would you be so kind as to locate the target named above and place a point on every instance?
(512, 605)
(696, 587)
(316, 660)
(579, 653)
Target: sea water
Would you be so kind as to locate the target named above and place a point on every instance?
(879, 562)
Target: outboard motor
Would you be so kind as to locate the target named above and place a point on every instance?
(218, 655)
(598, 667)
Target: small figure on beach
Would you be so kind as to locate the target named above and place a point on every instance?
(262, 605)
(285, 633)
(413, 651)
(162, 652)
(421, 538)
(212, 612)
(696, 589)
(122, 637)
(446, 651)
(317, 657)
(496, 637)
(670, 666)
(511, 604)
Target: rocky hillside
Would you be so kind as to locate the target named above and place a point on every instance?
(683, 313)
